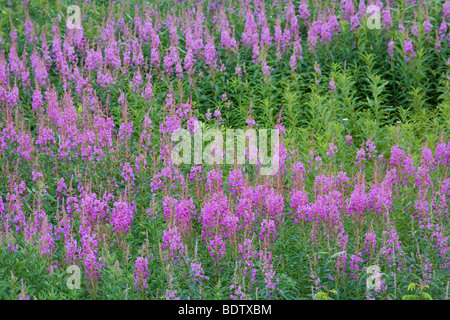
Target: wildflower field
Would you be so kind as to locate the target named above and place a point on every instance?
(93, 204)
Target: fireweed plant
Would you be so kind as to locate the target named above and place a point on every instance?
(87, 179)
